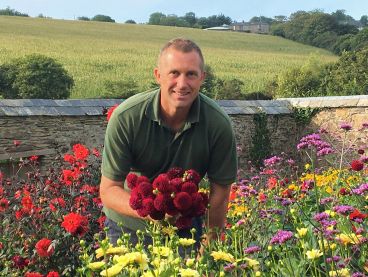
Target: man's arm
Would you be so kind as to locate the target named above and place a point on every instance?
(218, 200)
(113, 196)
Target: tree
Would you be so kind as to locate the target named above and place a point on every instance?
(102, 18)
(280, 18)
(130, 21)
(11, 12)
(155, 18)
(261, 19)
(83, 18)
(190, 18)
(364, 20)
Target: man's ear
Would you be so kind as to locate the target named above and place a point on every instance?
(157, 74)
(203, 77)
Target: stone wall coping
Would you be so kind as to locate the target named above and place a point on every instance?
(80, 107)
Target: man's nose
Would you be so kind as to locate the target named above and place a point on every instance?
(182, 81)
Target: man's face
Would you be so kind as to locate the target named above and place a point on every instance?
(180, 77)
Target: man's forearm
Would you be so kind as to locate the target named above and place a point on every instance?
(114, 197)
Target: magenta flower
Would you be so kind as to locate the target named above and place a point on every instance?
(346, 126)
(281, 237)
(252, 249)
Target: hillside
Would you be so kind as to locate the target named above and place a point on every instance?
(97, 53)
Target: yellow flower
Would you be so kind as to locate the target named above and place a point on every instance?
(341, 273)
(252, 263)
(349, 238)
(330, 213)
(190, 262)
(96, 265)
(186, 242)
(220, 255)
(162, 251)
(222, 274)
(258, 273)
(170, 230)
(329, 190)
(130, 258)
(313, 254)
(302, 232)
(187, 272)
(111, 250)
(307, 166)
(112, 271)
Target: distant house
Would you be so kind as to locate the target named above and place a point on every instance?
(259, 28)
(220, 28)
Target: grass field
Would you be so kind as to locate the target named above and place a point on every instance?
(95, 53)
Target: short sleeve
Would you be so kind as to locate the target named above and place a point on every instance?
(117, 157)
(223, 165)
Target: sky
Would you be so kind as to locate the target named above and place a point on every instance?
(140, 10)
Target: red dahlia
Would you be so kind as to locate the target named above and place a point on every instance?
(135, 200)
(44, 248)
(161, 202)
(189, 187)
(75, 224)
(175, 172)
(80, 152)
(4, 204)
(131, 179)
(192, 175)
(162, 183)
(145, 189)
(33, 274)
(357, 165)
(52, 274)
(110, 110)
(176, 184)
(182, 201)
(147, 204)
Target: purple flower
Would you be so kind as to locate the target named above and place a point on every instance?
(229, 267)
(343, 209)
(361, 189)
(281, 237)
(364, 159)
(272, 161)
(315, 141)
(326, 200)
(252, 249)
(358, 274)
(320, 216)
(365, 125)
(346, 126)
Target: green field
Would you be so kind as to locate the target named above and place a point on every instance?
(95, 53)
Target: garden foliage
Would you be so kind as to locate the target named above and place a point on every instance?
(35, 76)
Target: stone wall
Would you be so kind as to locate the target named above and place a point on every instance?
(49, 128)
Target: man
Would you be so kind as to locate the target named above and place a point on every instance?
(175, 126)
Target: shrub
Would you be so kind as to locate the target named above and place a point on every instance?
(348, 76)
(102, 18)
(120, 89)
(298, 82)
(35, 76)
(229, 89)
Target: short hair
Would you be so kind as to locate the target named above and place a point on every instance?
(182, 45)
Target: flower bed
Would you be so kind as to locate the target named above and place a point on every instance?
(283, 221)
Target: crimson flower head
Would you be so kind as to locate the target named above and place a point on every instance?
(80, 152)
(131, 180)
(161, 202)
(360, 151)
(182, 201)
(110, 110)
(135, 200)
(189, 187)
(75, 224)
(69, 158)
(175, 172)
(192, 175)
(357, 165)
(142, 179)
(176, 184)
(20, 262)
(162, 183)
(4, 204)
(357, 216)
(145, 189)
(44, 248)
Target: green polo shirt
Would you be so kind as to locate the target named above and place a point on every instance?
(137, 140)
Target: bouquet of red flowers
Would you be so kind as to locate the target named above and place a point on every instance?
(174, 193)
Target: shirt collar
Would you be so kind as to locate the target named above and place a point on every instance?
(153, 109)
